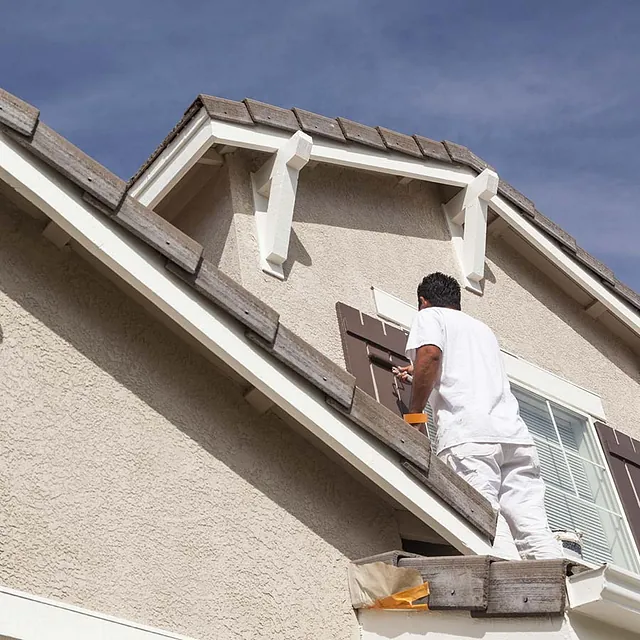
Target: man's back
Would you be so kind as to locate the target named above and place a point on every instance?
(472, 400)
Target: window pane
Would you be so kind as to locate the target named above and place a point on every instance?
(592, 483)
(573, 434)
(536, 416)
(564, 512)
(553, 465)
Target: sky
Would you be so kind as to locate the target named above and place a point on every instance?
(546, 92)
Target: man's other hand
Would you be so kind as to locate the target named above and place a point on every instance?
(404, 373)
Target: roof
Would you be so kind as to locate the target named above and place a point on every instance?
(106, 194)
(252, 113)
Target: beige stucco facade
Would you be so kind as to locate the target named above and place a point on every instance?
(136, 481)
(353, 230)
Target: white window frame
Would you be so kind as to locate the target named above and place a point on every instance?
(534, 379)
(602, 462)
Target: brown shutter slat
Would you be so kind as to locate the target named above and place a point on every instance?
(623, 456)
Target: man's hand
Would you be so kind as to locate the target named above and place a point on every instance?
(404, 373)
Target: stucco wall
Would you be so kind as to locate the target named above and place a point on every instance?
(353, 230)
(134, 479)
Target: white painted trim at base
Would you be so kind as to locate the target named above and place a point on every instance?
(24, 616)
(454, 625)
(609, 594)
(520, 371)
(144, 269)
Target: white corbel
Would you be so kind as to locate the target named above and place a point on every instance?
(466, 214)
(274, 196)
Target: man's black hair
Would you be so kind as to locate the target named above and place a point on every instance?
(440, 290)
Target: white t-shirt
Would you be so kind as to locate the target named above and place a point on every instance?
(472, 400)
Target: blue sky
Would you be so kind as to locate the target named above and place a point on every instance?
(547, 92)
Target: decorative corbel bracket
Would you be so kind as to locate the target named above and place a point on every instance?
(274, 196)
(466, 214)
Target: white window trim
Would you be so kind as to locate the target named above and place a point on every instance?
(30, 617)
(522, 372)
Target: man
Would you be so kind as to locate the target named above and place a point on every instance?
(458, 366)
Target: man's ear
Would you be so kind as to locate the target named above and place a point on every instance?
(423, 303)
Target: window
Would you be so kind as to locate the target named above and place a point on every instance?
(579, 491)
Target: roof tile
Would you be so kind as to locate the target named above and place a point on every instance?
(627, 293)
(273, 116)
(232, 297)
(222, 109)
(399, 142)
(361, 133)
(317, 125)
(159, 234)
(74, 164)
(18, 114)
(432, 148)
(555, 231)
(462, 155)
(595, 265)
(300, 356)
(520, 200)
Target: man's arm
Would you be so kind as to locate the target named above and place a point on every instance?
(426, 369)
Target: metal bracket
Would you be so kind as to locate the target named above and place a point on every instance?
(274, 196)
(466, 214)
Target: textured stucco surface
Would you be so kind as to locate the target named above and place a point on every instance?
(134, 479)
(353, 230)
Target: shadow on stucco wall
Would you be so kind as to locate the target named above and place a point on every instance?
(89, 312)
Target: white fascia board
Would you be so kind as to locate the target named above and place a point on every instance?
(520, 371)
(144, 269)
(27, 617)
(609, 594)
(174, 162)
(565, 263)
(357, 157)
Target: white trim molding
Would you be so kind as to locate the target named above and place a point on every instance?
(24, 616)
(274, 195)
(609, 594)
(466, 215)
(174, 162)
(519, 370)
(143, 268)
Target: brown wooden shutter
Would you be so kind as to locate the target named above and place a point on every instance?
(623, 456)
(371, 349)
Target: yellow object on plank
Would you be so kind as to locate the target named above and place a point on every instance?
(405, 599)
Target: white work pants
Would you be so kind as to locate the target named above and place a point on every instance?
(508, 475)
